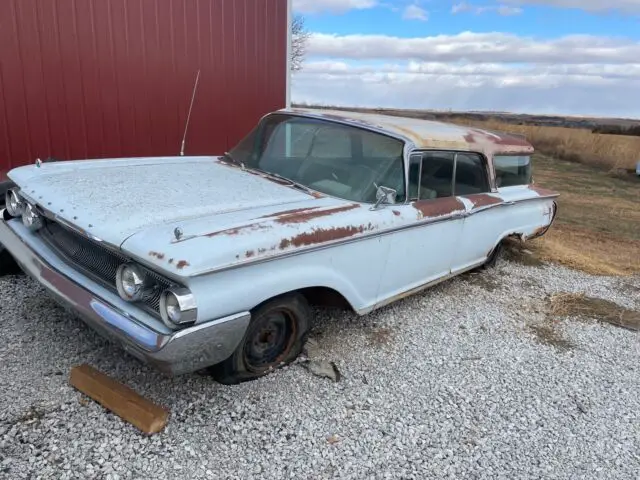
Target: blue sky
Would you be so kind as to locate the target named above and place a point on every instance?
(539, 56)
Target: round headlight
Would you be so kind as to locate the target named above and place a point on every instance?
(178, 307)
(130, 282)
(13, 202)
(31, 218)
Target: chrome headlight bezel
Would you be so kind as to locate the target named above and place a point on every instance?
(14, 203)
(140, 282)
(31, 218)
(181, 299)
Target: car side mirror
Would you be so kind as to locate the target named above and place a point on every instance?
(384, 195)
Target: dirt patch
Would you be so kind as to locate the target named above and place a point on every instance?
(547, 334)
(517, 252)
(381, 336)
(483, 280)
(630, 289)
(580, 306)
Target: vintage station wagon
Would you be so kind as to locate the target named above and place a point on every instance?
(213, 261)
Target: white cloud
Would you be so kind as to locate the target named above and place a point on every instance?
(477, 48)
(521, 93)
(332, 6)
(576, 74)
(414, 12)
(504, 10)
(628, 6)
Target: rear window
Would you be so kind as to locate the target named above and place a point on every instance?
(512, 170)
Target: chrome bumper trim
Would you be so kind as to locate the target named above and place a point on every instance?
(173, 353)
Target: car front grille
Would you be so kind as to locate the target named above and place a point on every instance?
(97, 261)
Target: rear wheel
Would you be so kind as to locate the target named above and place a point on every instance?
(275, 337)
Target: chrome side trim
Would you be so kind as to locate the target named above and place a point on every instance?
(299, 251)
(365, 236)
(415, 290)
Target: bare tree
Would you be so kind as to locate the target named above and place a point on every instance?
(299, 38)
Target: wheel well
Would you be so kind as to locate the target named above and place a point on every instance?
(318, 297)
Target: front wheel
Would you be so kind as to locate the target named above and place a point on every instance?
(275, 337)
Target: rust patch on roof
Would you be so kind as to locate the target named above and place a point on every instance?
(181, 264)
(438, 207)
(323, 235)
(158, 255)
(480, 200)
(309, 214)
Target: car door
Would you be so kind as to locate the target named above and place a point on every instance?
(428, 228)
(484, 222)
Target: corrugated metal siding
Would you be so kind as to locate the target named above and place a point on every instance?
(109, 78)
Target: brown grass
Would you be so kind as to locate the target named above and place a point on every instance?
(548, 335)
(579, 305)
(598, 225)
(611, 152)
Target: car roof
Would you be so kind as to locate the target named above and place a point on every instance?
(426, 134)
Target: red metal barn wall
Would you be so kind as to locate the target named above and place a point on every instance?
(108, 78)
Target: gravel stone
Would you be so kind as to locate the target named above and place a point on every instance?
(449, 383)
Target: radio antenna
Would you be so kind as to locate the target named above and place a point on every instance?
(193, 96)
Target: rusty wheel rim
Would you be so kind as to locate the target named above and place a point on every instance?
(269, 340)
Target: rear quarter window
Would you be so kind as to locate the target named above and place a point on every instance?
(512, 170)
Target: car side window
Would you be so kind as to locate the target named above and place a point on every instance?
(512, 170)
(471, 174)
(431, 175)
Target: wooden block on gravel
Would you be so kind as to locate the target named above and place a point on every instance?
(120, 399)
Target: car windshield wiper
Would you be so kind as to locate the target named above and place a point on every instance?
(284, 179)
(228, 156)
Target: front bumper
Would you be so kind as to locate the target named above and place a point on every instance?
(172, 352)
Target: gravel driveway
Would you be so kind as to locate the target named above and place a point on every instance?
(451, 383)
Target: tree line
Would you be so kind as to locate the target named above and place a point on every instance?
(617, 130)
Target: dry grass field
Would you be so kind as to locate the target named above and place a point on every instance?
(598, 225)
(611, 152)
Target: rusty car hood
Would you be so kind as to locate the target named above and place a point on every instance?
(116, 198)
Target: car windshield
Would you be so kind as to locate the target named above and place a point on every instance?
(329, 157)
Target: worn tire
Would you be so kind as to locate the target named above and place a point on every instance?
(290, 316)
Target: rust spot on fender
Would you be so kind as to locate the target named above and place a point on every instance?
(301, 217)
(543, 192)
(158, 255)
(317, 195)
(322, 235)
(538, 232)
(181, 264)
(249, 254)
(438, 207)
(289, 212)
(236, 230)
(396, 213)
(483, 200)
